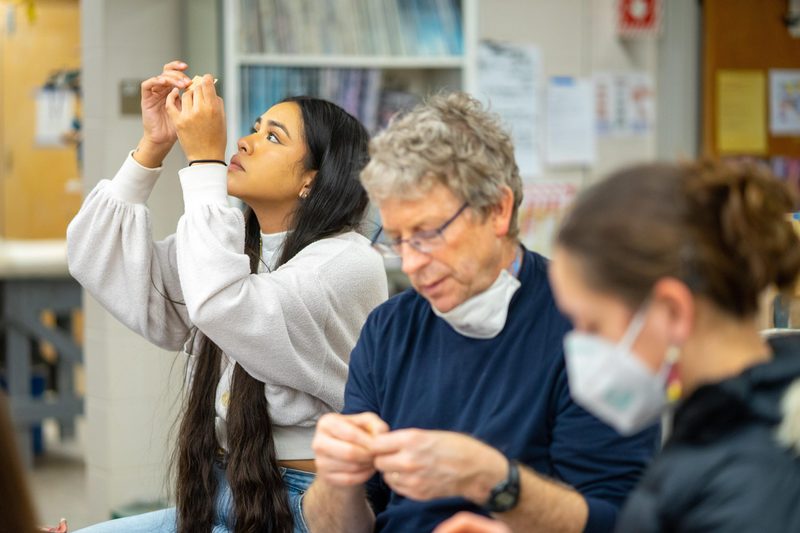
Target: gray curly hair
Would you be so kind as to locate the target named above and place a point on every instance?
(451, 140)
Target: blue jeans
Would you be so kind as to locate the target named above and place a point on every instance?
(164, 521)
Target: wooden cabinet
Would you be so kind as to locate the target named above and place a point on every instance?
(39, 186)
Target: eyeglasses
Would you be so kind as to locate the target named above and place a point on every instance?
(422, 241)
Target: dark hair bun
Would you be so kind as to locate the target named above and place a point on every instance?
(722, 228)
(751, 207)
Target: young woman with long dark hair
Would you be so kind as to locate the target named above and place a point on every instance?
(271, 301)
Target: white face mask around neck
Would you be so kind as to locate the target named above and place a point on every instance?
(484, 315)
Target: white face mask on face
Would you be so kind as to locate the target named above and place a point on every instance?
(612, 383)
(484, 315)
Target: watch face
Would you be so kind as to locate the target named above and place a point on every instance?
(504, 499)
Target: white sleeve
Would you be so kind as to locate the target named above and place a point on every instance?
(272, 324)
(111, 253)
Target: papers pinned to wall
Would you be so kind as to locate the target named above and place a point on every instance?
(570, 138)
(784, 102)
(543, 205)
(509, 82)
(741, 112)
(625, 104)
(55, 112)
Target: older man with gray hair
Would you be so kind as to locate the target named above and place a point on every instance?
(457, 397)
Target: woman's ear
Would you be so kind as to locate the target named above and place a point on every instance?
(678, 303)
(308, 181)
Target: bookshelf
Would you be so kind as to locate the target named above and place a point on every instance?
(369, 56)
(359, 61)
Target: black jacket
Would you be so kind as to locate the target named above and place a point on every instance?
(732, 462)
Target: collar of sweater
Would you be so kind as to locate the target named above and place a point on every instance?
(271, 245)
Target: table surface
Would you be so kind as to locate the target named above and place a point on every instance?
(33, 259)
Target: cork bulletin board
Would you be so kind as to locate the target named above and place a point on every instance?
(742, 41)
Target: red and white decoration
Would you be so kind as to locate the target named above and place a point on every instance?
(638, 18)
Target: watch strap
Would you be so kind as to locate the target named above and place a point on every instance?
(505, 495)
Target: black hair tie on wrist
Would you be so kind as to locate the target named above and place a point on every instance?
(218, 161)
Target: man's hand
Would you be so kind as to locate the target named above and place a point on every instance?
(342, 445)
(198, 117)
(471, 523)
(424, 465)
(337, 500)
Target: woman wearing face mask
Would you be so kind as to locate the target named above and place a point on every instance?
(271, 301)
(660, 268)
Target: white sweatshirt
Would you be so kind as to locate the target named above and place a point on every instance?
(292, 328)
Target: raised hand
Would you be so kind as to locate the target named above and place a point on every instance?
(157, 127)
(159, 133)
(198, 117)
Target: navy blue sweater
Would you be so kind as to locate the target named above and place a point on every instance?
(413, 370)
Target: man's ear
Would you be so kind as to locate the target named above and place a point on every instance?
(501, 212)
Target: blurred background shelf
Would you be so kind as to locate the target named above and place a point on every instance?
(372, 57)
(353, 61)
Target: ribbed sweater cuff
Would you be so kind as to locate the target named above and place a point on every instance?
(602, 516)
(133, 182)
(204, 185)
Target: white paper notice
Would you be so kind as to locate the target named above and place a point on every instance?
(570, 136)
(625, 103)
(784, 102)
(55, 110)
(509, 81)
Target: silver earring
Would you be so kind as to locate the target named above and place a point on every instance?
(304, 195)
(673, 354)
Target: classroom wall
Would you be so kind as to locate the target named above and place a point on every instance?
(201, 37)
(577, 38)
(678, 81)
(130, 384)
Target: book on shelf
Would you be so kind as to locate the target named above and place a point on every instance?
(351, 27)
(358, 91)
(393, 102)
